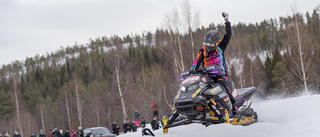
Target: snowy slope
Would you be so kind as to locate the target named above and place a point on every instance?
(294, 117)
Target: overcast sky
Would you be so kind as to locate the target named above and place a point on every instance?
(30, 27)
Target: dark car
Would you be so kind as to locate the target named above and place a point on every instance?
(97, 131)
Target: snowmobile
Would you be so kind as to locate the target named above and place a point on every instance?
(199, 100)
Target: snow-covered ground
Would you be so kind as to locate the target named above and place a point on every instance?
(294, 117)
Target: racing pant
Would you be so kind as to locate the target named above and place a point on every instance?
(223, 81)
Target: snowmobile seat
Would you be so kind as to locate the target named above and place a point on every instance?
(230, 85)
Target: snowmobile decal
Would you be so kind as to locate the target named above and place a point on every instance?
(235, 93)
(178, 95)
(226, 99)
(218, 89)
(204, 79)
(191, 79)
(222, 95)
(196, 93)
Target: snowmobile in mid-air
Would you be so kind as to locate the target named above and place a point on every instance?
(199, 100)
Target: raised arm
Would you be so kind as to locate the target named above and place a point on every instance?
(227, 36)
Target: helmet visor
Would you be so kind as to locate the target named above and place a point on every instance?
(212, 45)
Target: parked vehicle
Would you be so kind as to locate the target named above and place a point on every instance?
(98, 131)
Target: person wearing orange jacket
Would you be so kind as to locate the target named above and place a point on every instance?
(154, 107)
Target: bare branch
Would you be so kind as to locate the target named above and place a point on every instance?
(308, 64)
(300, 77)
(297, 65)
(165, 96)
(166, 53)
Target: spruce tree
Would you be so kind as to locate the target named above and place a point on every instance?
(6, 110)
(279, 77)
(276, 57)
(268, 70)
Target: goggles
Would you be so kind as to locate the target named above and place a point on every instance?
(212, 45)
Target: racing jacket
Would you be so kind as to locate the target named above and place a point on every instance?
(208, 56)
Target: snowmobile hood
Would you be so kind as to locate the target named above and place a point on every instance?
(191, 87)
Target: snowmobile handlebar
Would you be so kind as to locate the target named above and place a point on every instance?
(212, 71)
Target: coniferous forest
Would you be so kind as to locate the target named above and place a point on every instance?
(104, 80)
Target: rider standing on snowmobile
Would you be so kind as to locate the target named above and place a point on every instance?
(212, 53)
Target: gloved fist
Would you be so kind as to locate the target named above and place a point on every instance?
(225, 15)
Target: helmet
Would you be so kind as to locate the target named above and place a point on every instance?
(212, 39)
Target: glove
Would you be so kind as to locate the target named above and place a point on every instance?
(192, 71)
(225, 15)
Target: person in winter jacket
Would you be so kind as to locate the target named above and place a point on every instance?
(33, 135)
(212, 53)
(125, 126)
(134, 126)
(143, 123)
(155, 124)
(128, 126)
(73, 133)
(52, 133)
(56, 133)
(16, 134)
(67, 133)
(6, 134)
(42, 134)
(80, 132)
(136, 118)
(154, 107)
(115, 128)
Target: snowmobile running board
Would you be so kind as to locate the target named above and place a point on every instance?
(227, 120)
